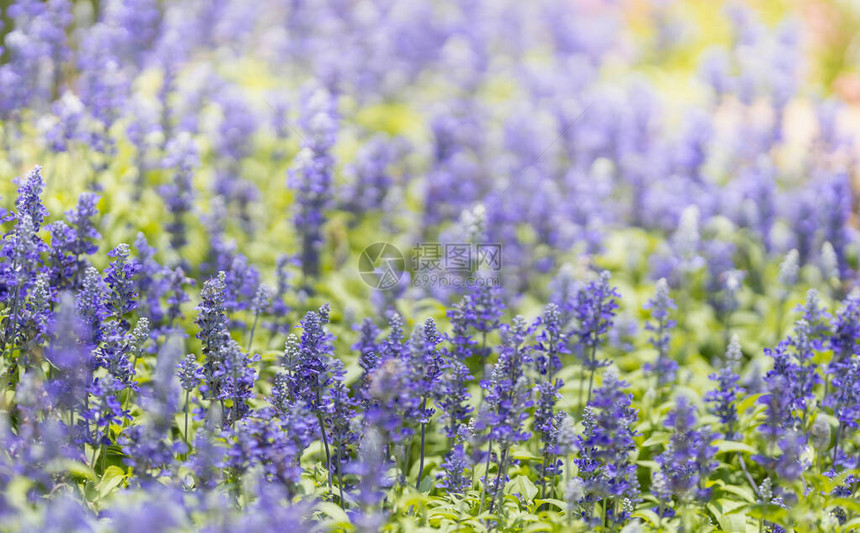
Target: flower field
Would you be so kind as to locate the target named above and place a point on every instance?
(390, 265)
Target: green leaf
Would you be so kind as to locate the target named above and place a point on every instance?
(657, 438)
(724, 446)
(426, 485)
(748, 402)
(111, 479)
(334, 512)
(744, 492)
(649, 516)
(650, 465)
(847, 503)
(539, 526)
(766, 511)
(523, 486)
(558, 503)
(76, 469)
(723, 510)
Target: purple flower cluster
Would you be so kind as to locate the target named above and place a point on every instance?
(132, 400)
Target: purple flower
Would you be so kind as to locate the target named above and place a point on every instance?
(176, 281)
(844, 400)
(461, 341)
(777, 400)
(22, 248)
(91, 305)
(426, 362)
(845, 330)
(274, 445)
(816, 317)
(594, 312)
(552, 342)
(394, 347)
(178, 194)
(70, 241)
(312, 364)
(29, 201)
(190, 373)
(790, 463)
(114, 354)
(105, 409)
(212, 332)
(508, 395)
(394, 406)
(483, 307)
(312, 175)
(371, 176)
(455, 478)
(368, 349)
(661, 305)
(605, 465)
(723, 398)
(234, 378)
(453, 397)
(119, 277)
(72, 360)
(149, 280)
(688, 458)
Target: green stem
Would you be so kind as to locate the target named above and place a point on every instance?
(503, 467)
(486, 476)
(421, 457)
(340, 477)
(836, 444)
(185, 434)
(327, 453)
(253, 328)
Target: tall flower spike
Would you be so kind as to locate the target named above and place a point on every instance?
(507, 400)
(394, 407)
(190, 373)
(212, 332)
(789, 270)
(72, 360)
(688, 458)
(594, 313)
(119, 276)
(368, 349)
(29, 202)
(829, 263)
(846, 329)
(660, 306)
(90, 305)
(605, 467)
(552, 342)
(313, 360)
(482, 309)
(462, 343)
(393, 346)
(181, 158)
(844, 399)
(312, 175)
(235, 379)
(815, 316)
(723, 398)
(80, 219)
